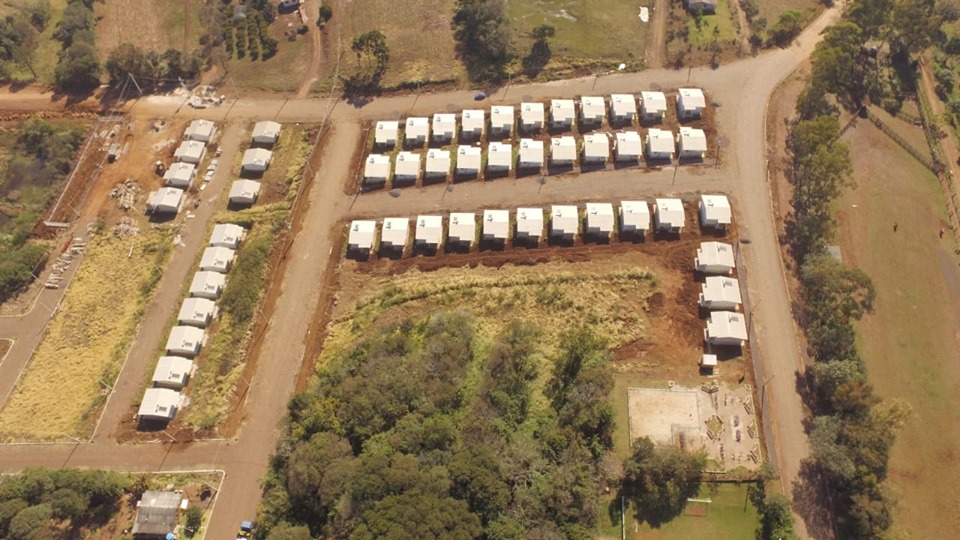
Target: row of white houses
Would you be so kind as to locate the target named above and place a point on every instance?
(197, 311)
(588, 111)
(720, 295)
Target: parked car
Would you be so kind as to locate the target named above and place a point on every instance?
(246, 530)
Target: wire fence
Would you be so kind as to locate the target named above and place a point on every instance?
(935, 168)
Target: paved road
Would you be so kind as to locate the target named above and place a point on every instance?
(740, 91)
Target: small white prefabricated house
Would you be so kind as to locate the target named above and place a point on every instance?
(266, 132)
(562, 113)
(714, 258)
(407, 167)
(196, 312)
(564, 221)
(501, 121)
(417, 131)
(531, 116)
(438, 163)
(530, 223)
(629, 146)
(623, 108)
(190, 152)
(690, 103)
(599, 219)
(226, 235)
(360, 238)
(726, 328)
(217, 259)
(394, 233)
(472, 122)
(653, 105)
(668, 215)
(720, 293)
(207, 285)
(386, 133)
(172, 372)
(200, 130)
(159, 404)
(256, 159)
(660, 144)
(496, 225)
(531, 154)
(692, 143)
(563, 150)
(462, 228)
(165, 200)
(714, 211)
(596, 148)
(428, 232)
(593, 109)
(444, 127)
(185, 341)
(244, 192)
(468, 160)
(634, 217)
(499, 157)
(376, 169)
(180, 175)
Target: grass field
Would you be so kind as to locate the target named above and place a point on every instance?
(149, 24)
(717, 27)
(727, 516)
(910, 342)
(282, 73)
(771, 9)
(87, 341)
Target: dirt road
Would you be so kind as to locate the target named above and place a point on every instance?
(656, 55)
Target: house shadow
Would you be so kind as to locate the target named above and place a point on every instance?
(595, 238)
(429, 181)
(527, 242)
(461, 178)
(403, 182)
(525, 172)
(150, 425)
(690, 161)
(554, 170)
(490, 244)
(592, 166)
(633, 237)
(658, 163)
(425, 250)
(628, 164)
(713, 232)
(495, 175)
(390, 252)
(236, 206)
(359, 255)
(164, 217)
(666, 236)
(457, 248)
(555, 240)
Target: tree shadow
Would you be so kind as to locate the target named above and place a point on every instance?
(811, 496)
(538, 58)
(359, 90)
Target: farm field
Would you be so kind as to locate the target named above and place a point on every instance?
(150, 24)
(909, 343)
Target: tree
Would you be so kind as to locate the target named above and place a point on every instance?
(835, 291)
(578, 348)
(661, 479)
(414, 514)
(776, 521)
(543, 32)
(8, 509)
(838, 62)
(194, 517)
(482, 32)
(372, 45)
(68, 504)
(39, 12)
(127, 59)
(286, 531)
(30, 523)
(477, 478)
(26, 39)
(787, 28)
(313, 473)
(540, 52)
(78, 68)
(77, 20)
(326, 13)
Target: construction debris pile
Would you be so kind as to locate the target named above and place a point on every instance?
(126, 227)
(63, 262)
(125, 193)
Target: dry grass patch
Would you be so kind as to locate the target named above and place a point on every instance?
(149, 24)
(87, 341)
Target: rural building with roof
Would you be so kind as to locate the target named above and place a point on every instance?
(386, 132)
(668, 215)
(564, 221)
(653, 105)
(720, 293)
(172, 372)
(496, 225)
(599, 220)
(180, 175)
(159, 404)
(596, 148)
(562, 113)
(714, 258)
(190, 152)
(166, 200)
(499, 157)
(726, 328)
(462, 228)
(629, 147)
(157, 515)
(501, 121)
(200, 130)
(266, 132)
(227, 235)
(532, 117)
(531, 154)
(361, 237)
(244, 192)
(690, 103)
(692, 143)
(715, 211)
(207, 285)
(563, 151)
(256, 159)
(623, 108)
(634, 218)
(417, 131)
(660, 144)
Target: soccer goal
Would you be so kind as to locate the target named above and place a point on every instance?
(697, 507)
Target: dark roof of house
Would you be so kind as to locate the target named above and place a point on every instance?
(157, 513)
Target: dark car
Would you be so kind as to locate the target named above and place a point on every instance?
(479, 96)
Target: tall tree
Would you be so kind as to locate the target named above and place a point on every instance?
(661, 479)
(482, 32)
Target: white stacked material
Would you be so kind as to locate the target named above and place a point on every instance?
(714, 258)
(207, 285)
(496, 225)
(714, 211)
(634, 217)
(462, 228)
(599, 219)
(668, 215)
(629, 146)
(564, 221)
(726, 328)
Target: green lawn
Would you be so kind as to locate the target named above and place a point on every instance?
(48, 51)
(707, 33)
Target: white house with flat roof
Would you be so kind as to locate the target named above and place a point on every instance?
(394, 233)
(634, 217)
(531, 117)
(244, 192)
(690, 103)
(501, 121)
(217, 259)
(386, 133)
(166, 200)
(256, 159)
(714, 258)
(563, 150)
(376, 169)
(692, 143)
(529, 223)
(668, 215)
(227, 235)
(720, 293)
(172, 372)
(472, 123)
(496, 225)
(444, 127)
(726, 328)
(417, 131)
(462, 228)
(159, 404)
(596, 148)
(593, 109)
(629, 146)
(468, 160)
(653, 105)
(564, 221)
(197, 312)
(599, 219)
(438, 163)
(531, 154)
(660, 144)
(190, 152)
(207, 285)
(499, 157)
(623, 108)
(200, 130)
(266, 132)
(361, 236)
(407, 167)
(180, 175)
(715, 211)
(428, 232)
(562, 113)
(185, 341)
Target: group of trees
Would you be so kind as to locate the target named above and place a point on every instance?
(482, 31)
(151, 69)
(372, 57)
(78, 68)
(414, 431)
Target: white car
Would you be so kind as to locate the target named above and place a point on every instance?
(209, 176)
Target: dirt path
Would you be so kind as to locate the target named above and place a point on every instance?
(312, 8)
(657, 42)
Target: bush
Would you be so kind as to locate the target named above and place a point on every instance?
(326, 13)
(29, 523)
(194, 518)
